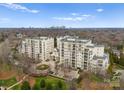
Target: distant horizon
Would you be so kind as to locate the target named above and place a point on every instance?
(74, 15)
(65, 27)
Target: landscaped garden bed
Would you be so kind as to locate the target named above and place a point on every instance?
(42, 67)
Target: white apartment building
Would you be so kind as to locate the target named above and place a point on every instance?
(82, 53)
(38, 47)
(73, 52)
(58, 39)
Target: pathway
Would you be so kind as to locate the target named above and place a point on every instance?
(18, 82)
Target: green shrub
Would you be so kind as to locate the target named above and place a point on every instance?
(42, 83)
(25, 86)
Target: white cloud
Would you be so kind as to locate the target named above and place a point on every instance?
(74, 17)
(74, 14)
(77, 14)
(99, 10)
(19, 7)
(63, 18)
(4, 20)
(70, 18)
(86, 15)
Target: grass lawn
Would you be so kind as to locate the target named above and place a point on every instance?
(9, 82)
(52, 80)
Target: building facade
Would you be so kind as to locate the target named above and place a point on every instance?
(71, 51)
(38, 48)
(58, 40)
(83, 54)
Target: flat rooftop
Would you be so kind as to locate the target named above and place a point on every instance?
(39, 38)
(76, 40)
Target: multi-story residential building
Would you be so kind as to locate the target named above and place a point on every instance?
(73, 52)
(38, 47)
(58, 39)
(82, 53)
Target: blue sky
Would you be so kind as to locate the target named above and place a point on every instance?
(69, 15)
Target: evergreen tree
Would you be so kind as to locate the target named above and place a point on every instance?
(111, 58)
(121, 62)
(42, 83)
(110, 68)
(115, 58)
(60, 85)
(55, 43)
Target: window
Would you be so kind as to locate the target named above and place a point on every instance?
(73, 64)
(40, 47)
(79, 45)
(86, 50)
(62, 53)
(62, 45)
(100, 65)
(73, 47)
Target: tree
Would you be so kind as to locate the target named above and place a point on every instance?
(79, 79)
(49, 86)
(42, 83)
(55, 43)
(111, 58)
(119, 47)
(25, 86)
(115, 58)
(110, 68)
(121, 62)
(60, 85)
